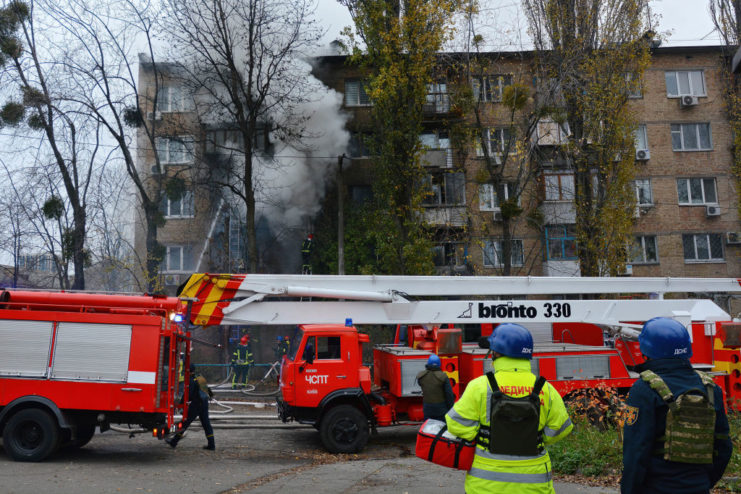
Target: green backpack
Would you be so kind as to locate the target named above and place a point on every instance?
(690, 421)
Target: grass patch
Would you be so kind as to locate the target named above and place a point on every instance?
(598, 452)
(588, 451)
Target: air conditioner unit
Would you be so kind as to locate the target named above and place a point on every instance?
(172, 279)
(687, 101)
(628, 270)
(497, 158)
(643, 155)
(497, 216)
(733, 238)
(637, 212)
(154, 115)
(712, 211)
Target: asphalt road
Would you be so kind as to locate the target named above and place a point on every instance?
(268, 459)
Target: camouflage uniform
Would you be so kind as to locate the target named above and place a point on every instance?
(644, 468)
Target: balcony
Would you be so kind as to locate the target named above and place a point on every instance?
(437, 158)
(454, 216)
(558, 212)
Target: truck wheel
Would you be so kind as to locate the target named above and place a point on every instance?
(344, 430)
(31, 435)
(85, 433)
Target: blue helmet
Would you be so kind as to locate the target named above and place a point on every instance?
(512, 340)
(279, 338)
(662, 337)
(434, 360)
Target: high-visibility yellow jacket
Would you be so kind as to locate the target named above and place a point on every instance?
(508, 473)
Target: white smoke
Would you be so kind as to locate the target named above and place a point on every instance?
(291, 185)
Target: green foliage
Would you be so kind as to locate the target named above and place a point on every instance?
(174, 188)
(515, 96)
(12, 113)
(400, 54)
(33, 96)
(53, 208)
(132, 116)
(36, 121)
(588, 451)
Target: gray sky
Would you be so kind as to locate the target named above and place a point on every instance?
(688, 21)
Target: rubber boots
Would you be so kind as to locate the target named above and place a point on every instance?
(173, 441)
(211, 445)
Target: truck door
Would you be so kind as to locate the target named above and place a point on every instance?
(328, 371)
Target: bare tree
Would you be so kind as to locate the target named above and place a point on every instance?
(241, 57)
(102, 63)
(33, 71)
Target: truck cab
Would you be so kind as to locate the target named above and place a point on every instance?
(324, 383)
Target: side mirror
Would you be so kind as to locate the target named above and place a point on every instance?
(309, 353)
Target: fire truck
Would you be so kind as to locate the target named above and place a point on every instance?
(579, 342)
(73, 361)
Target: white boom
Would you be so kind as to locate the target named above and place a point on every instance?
(271, 299)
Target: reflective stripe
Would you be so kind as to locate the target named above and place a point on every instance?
(461, 420)
(520, 478)
(551, 433)
(484, 453)
(489, 394)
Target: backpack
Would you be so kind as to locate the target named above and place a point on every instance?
(690, 421)
(514, 422)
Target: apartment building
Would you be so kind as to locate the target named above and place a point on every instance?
(686, 220)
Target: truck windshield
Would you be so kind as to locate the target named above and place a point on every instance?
(295, 342)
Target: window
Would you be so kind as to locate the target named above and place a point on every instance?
(691, 137)
(178, 208)
(438, 99)
(633, 85)
(644, 250)
(492, 85)
(493, 253)
(560, 243)
(559, 187)
(641, 138)
(358, 146)
(684, 82)
(174, 99)
(445, 189)
(327, 347)
(702, 247)
(355, 94)
(39, 262)
(178, 258)
(237, 234)
(448, 254)
(497, 140)
(644, 197)
(361, 193)
(175, 150)
(696, 191)
(489, 198)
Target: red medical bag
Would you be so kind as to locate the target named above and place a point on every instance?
(436, 444)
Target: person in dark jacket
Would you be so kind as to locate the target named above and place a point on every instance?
(667, 347)
(437, 393)
(199, 394)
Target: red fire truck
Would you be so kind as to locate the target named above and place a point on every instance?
(579, 343)
(72, 361)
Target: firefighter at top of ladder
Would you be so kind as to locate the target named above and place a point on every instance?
(306, 249)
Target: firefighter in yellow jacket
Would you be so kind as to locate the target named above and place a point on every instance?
(513, 416)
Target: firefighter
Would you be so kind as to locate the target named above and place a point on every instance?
(286, 345)
(306, 249)
(649, 465)
(508, 457)
(278, 349)
(437, 393)
(199, 394)
(241, 362)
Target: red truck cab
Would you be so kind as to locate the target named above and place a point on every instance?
(323, 382)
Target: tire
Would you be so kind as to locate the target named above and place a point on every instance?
(344, 429)
(31, 435)
(85, 433)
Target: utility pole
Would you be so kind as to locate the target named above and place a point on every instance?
(340, 217)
